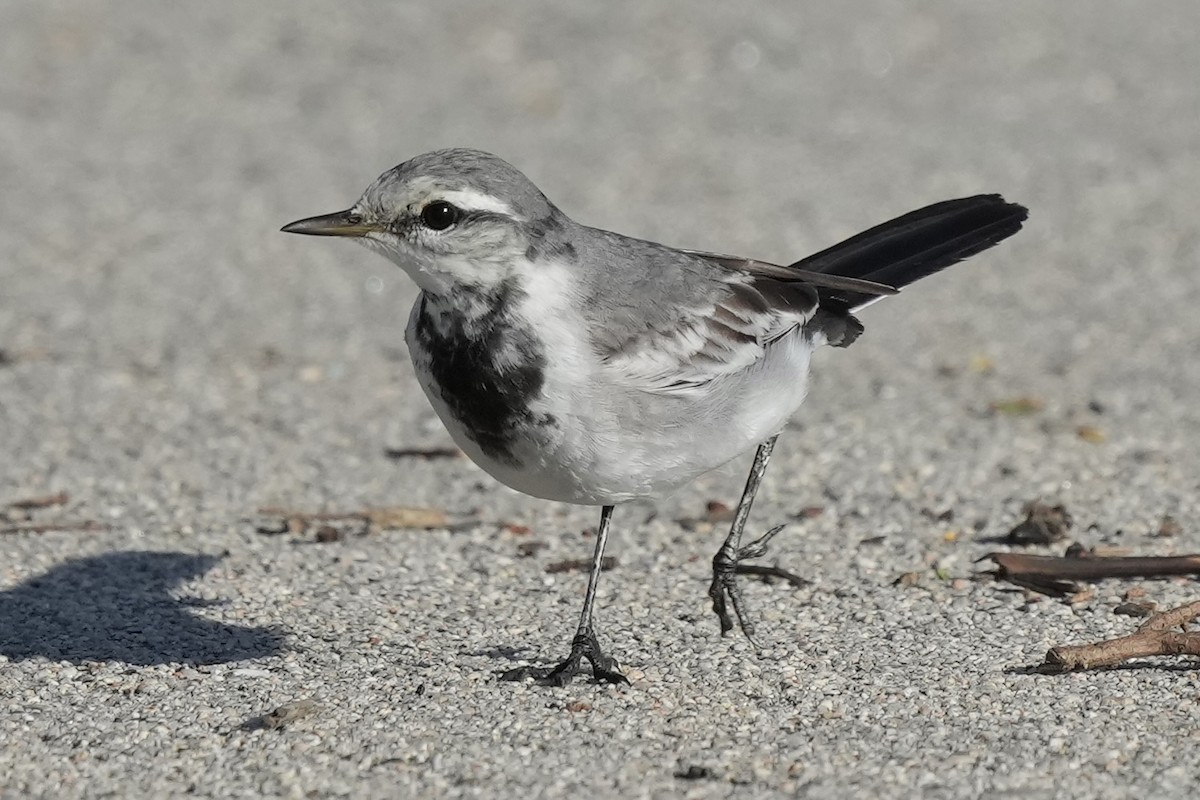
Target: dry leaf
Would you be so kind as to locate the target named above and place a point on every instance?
(1017, 406)
(407, 517)
(981, 364)
(1084, 596)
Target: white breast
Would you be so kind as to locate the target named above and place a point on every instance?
(611, 443)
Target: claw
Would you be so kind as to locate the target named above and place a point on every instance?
(758, 548)
(724, 583)
(585, 645)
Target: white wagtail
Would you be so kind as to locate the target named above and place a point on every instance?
(580, 365)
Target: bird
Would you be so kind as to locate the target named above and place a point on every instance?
(580, 365)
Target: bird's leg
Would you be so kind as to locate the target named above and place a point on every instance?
(727, 562)
(585, 644)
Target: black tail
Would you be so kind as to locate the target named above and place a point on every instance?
(917, 244)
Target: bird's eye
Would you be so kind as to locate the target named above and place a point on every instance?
(439, 215)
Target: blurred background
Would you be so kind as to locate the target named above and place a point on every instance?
(156, 327)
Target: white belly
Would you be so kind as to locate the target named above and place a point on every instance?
(610, 443)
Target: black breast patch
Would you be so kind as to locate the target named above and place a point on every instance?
(487, 371)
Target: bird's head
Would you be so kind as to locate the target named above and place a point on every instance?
(451, 218)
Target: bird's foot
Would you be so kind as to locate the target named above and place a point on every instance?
(584, 645)
(724, 589)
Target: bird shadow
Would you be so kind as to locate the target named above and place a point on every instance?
(120, 607)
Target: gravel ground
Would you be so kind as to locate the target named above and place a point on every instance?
(173, 364)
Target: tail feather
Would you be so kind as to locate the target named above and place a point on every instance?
(915, 245)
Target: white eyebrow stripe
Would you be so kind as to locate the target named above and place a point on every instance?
(470, 200)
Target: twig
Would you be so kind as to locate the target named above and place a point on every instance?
(1154, 638)
(367, 521)
(422, 452)
(85, 526)
(577, 564)
(41, 501)
(1048, 574)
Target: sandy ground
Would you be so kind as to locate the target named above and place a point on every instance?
(173, 364)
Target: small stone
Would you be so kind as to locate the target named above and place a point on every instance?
(327, 533)
(1043, 524)
(1169, 527)
(1144, 608)
(288, 713)
(532, 548)
(716, 511)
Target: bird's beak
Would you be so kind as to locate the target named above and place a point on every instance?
(341, 223)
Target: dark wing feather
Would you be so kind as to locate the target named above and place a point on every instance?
(914, 246)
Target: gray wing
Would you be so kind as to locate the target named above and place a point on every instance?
(719, 332)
